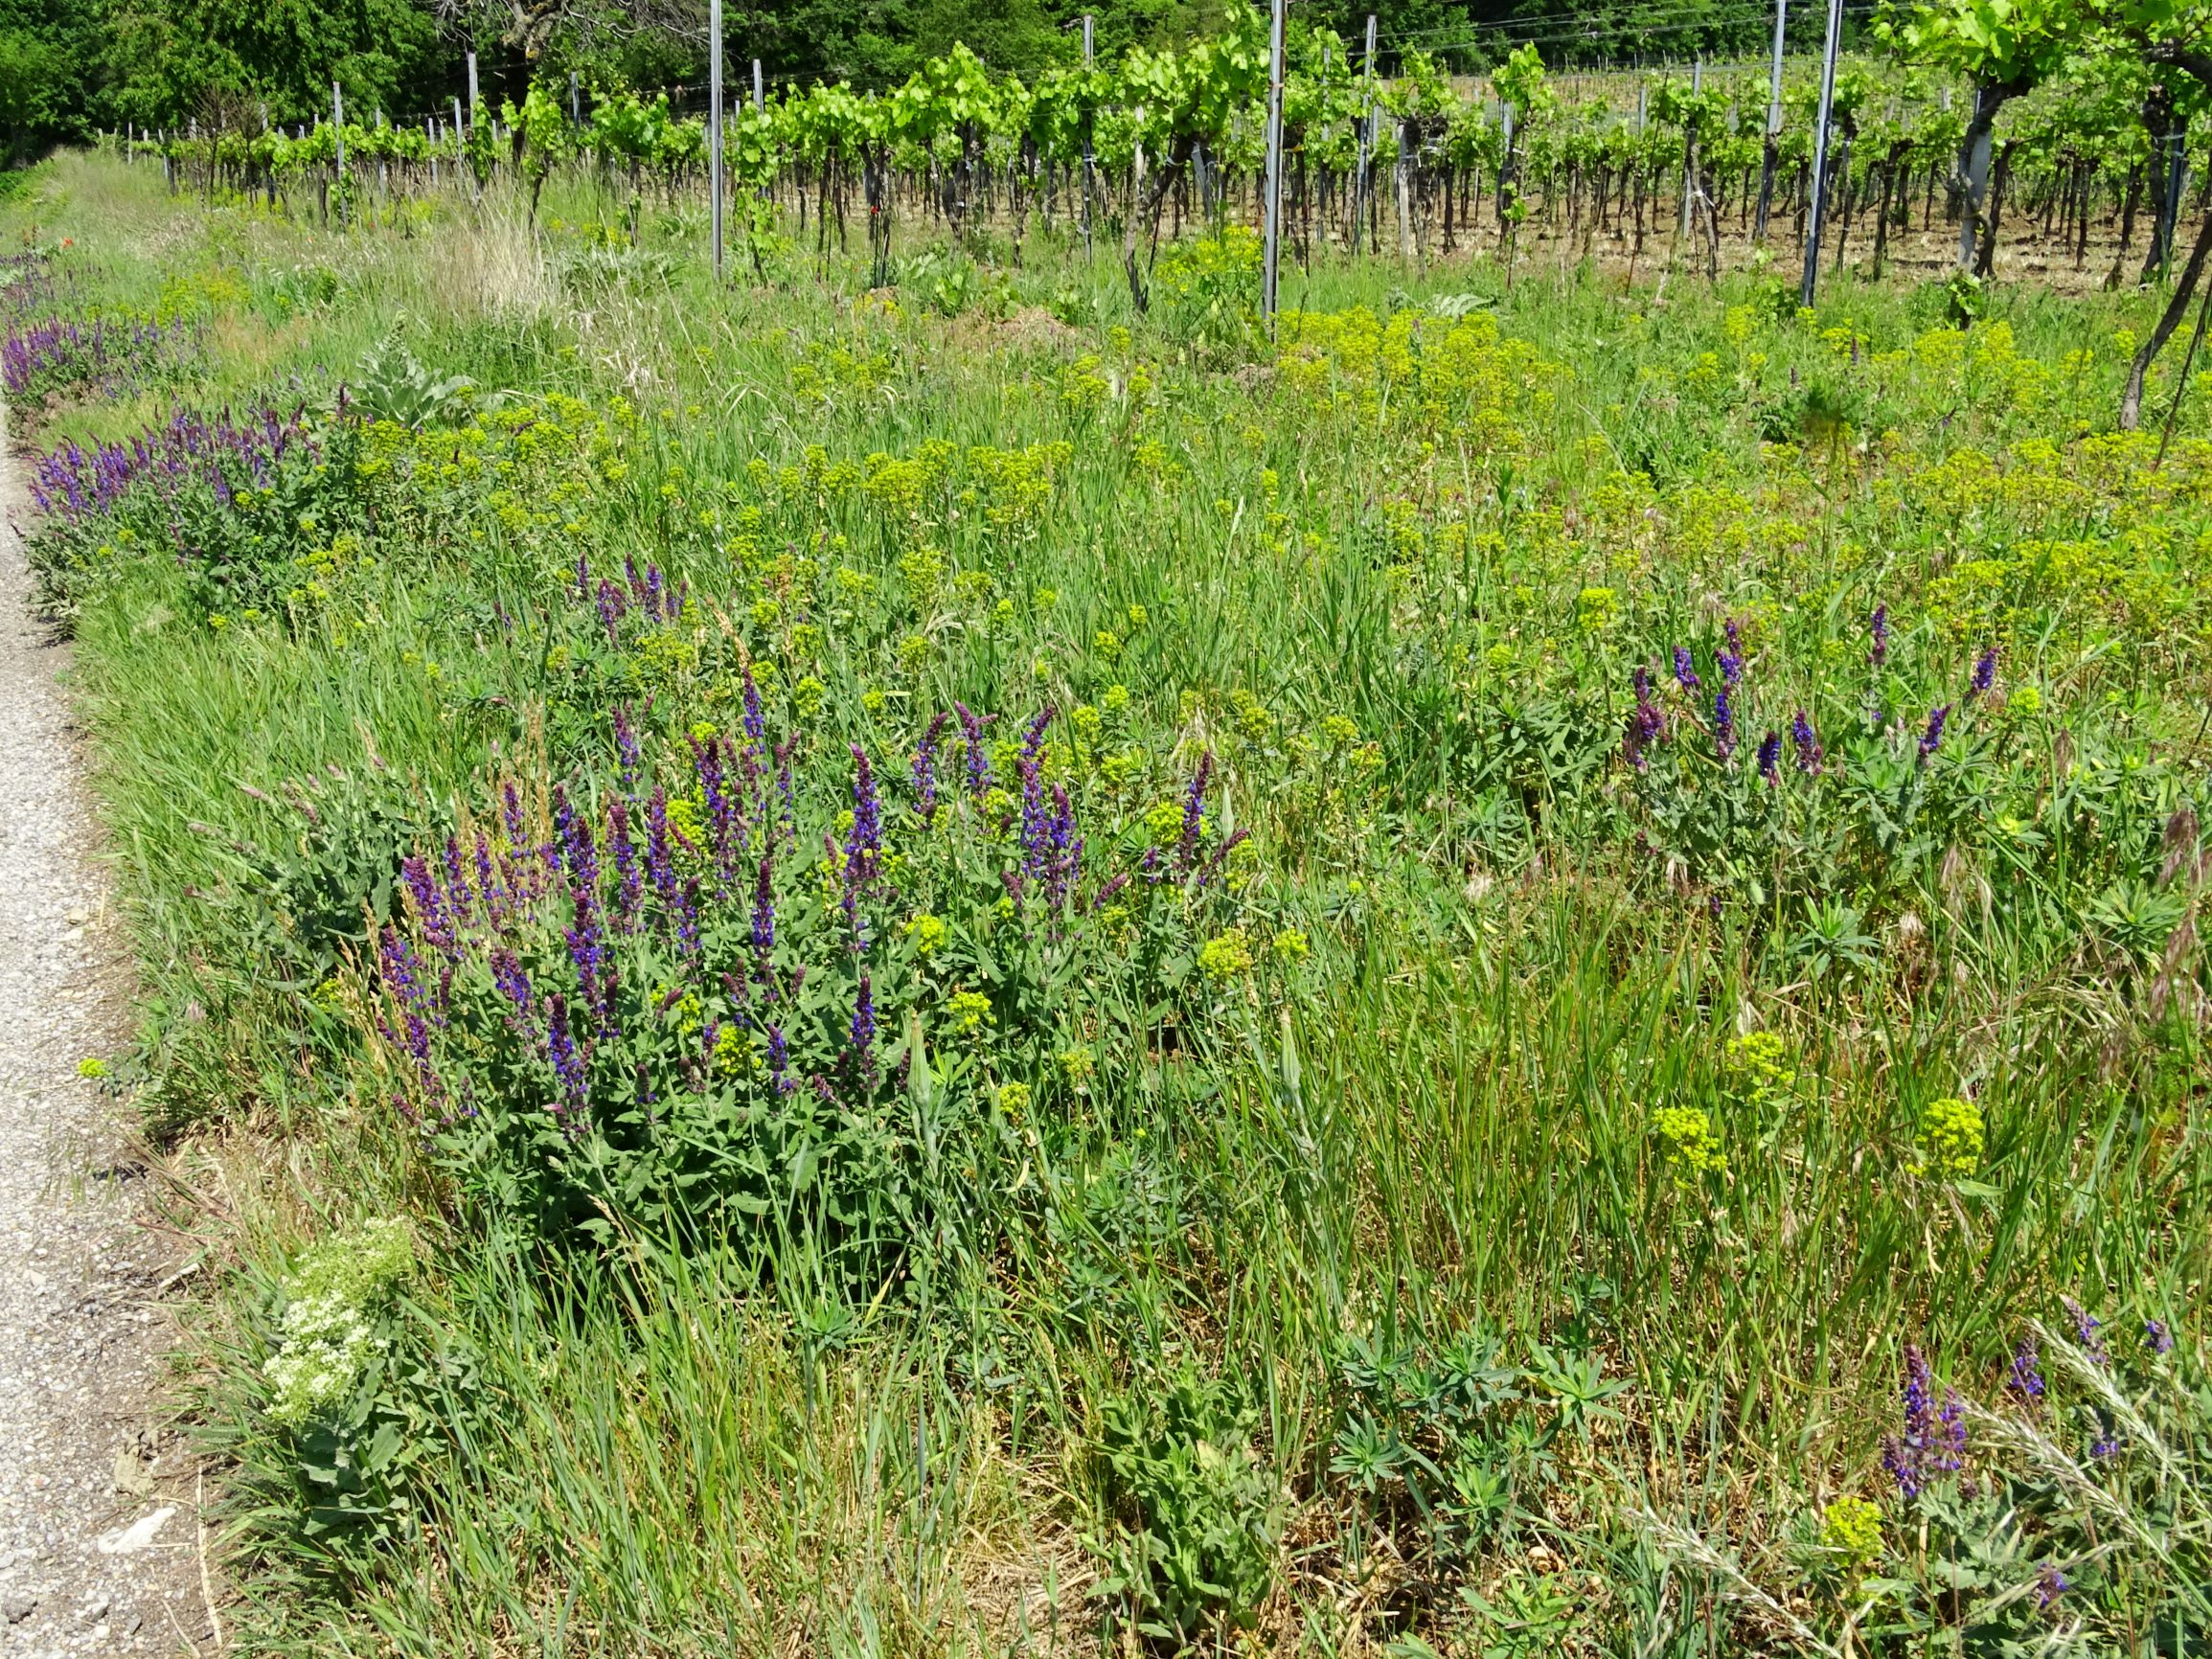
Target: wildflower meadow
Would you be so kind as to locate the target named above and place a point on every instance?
(966, 964)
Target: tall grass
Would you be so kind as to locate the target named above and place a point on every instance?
(1445, 1121)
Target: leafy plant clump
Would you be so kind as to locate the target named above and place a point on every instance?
(1197, 1515)
(694, 992)
(246, 506)
(111, 356)
(331, 1299)
(347, 1385)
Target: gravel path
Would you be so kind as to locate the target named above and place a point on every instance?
(99, 1548)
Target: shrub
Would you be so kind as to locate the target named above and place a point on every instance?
(337, 1288)
(1208, 290)
(242, 505)
(2071, 1516)
(111, 355)
(700, 990)
(1951, 1137)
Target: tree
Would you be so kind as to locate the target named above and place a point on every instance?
(170, 58)
(2005, 47)
(543, 137)
(34, 79)
(544, 34)
(2177, 34)
(46, 92)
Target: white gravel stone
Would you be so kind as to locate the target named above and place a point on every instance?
(80, 1375)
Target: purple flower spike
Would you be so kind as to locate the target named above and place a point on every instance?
(978, 758)
(612, 606)
(864, 1029)
(568, 1064)
(496, 904)
(1771, 757)
(1877, 636)
(2157, 1337)
(507, 973)
(457, 883)
(756, 724)
(1985, 673)
(1685, 675)
(1037, 849)
(660, 865)
(628, 879)
(577, 846)
(1933, 1442)
(1732, 654)
(2027, 1374)
(723, 827)
(1950, 1434)
(430, 907)
(1647, 723)
(587, 950)
(2086, 1327)
(688, 917)
(765, 912)
(403, 977)
(925, 770)
(863, 842)
(1807, 744)
(1194, 813)
(587, 933)
(550, 854)
(1723, 724)
(1033, 738)
(1932, 739)
(1064, 860)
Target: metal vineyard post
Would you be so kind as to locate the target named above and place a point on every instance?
(1814, 213)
